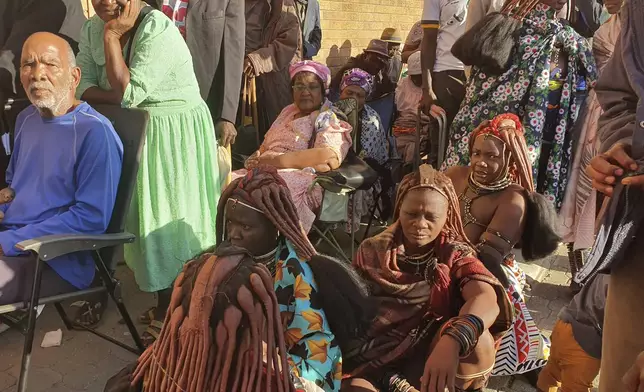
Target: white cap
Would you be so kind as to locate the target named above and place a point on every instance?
(413, 64)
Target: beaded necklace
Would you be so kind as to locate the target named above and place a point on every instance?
(479, 190)
(428, 260)
(269, 260)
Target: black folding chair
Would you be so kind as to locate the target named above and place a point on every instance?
(353, 174)
(130, 124)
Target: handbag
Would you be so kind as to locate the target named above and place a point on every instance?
(247, 140)
(490, 44)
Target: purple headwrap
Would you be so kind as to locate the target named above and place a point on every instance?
(357, 77)
(320, 70)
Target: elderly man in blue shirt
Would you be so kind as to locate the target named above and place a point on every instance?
(65, 170)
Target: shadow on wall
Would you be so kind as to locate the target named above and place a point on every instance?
(338, 56)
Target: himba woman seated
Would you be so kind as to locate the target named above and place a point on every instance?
(307, 305)
(440, 310)
(500, 209)
(306, 138)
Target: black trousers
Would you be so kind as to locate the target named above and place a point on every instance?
(17, 275)
(449, 87)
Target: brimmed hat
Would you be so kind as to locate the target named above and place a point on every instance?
(391, 35)
(378, 46)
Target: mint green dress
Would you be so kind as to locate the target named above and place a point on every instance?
(174, 206)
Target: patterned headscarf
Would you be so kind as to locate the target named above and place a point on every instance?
(320, 70)
(357, 77)
(516, 160)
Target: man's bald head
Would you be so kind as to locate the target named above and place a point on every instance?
(48, 73)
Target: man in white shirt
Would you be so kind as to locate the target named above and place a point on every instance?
(443, 23)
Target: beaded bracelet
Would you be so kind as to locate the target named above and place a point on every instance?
(466, 330)
(397, 383)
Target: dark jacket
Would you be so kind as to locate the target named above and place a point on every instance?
(382, 83)
(311, 30)
(282, 46)
(215, 27)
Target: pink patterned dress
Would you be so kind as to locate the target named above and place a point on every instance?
(290, 133)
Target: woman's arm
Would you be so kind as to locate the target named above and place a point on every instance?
(312, 157)
(116, 33)
(117, 72)
(506, 227)
(332, 142)
(480, 300)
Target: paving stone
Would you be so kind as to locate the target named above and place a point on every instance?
(40, 379)
(7, 380)
(81, 377)
(61, 387)
(538, 307)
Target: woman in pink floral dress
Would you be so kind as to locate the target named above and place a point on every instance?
(306, 138)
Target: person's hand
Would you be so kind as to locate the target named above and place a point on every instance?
(436, 111)
(634, 379)
(119, 26)
(441, 366)
(605, 168)
(249, 71)
(426, 102)
(428, 106)
(226, 133)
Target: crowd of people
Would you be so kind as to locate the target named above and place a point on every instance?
(546, 151)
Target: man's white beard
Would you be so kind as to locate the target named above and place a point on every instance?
(53, 102)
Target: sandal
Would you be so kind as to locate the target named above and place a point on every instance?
(151, 333)
(89, 314)
(148, 316)
(145, 318)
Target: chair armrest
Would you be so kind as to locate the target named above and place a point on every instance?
(52, 246)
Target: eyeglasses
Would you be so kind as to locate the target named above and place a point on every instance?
(301, 88)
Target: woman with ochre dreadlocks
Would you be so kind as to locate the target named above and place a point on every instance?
(322, 302)
(500, 208)
(222, 333)
(440, 310)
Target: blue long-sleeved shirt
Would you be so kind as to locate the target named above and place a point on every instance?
(65, 172)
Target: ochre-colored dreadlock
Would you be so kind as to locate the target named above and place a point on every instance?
(264, 189)
(427, 177)
(516, 161)
(223, 310)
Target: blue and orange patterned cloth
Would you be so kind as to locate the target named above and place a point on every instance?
(314, 354)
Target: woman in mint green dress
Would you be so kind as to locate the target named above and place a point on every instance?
(173, 210)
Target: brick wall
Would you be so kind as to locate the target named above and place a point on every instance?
(349, 25)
